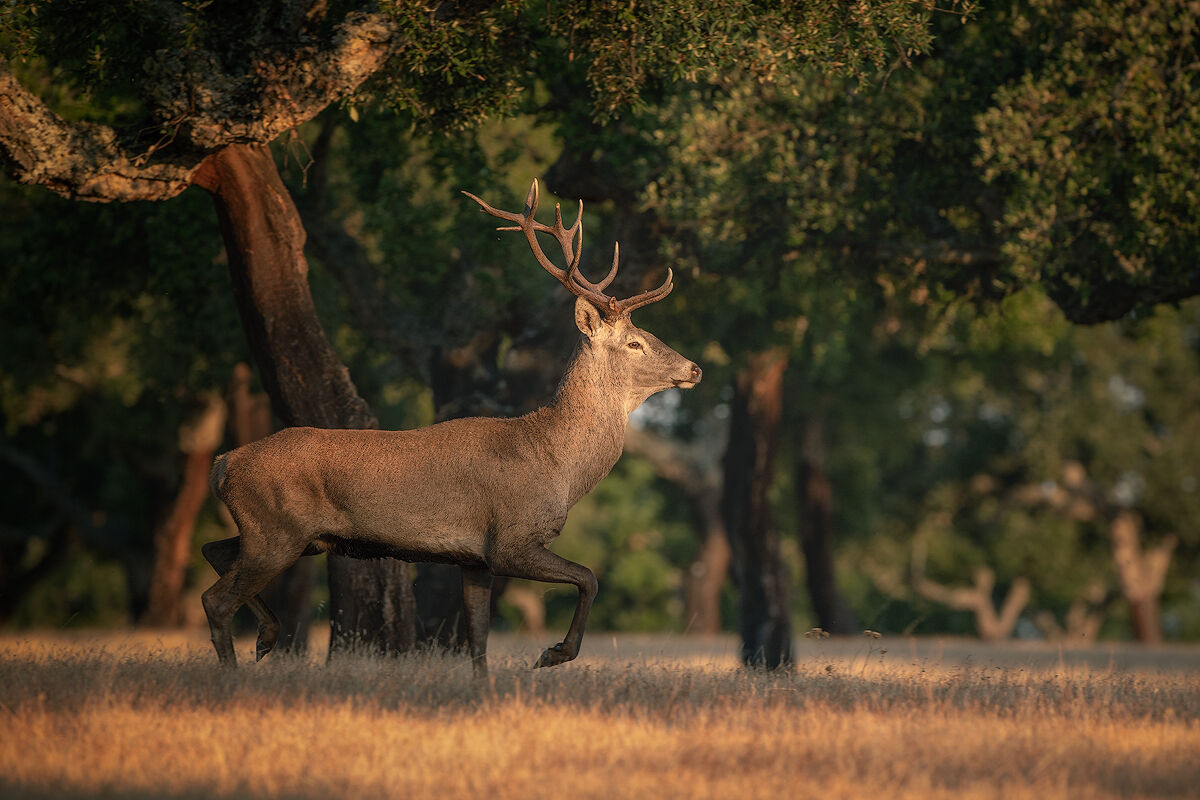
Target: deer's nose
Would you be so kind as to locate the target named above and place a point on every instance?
(696, 373)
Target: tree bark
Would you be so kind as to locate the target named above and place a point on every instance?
(374, 608)
(305, 379)
(199, 438)
(1142, 573)
(815, 497)
(755, 415)
(705, 577)
(190, 91)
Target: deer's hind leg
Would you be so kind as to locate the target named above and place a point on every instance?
(221, 555)
(251, 569)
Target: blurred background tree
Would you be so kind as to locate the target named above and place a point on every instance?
(867, 206)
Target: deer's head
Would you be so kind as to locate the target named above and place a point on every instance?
(636, 359)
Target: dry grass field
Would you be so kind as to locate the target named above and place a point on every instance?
(141, 716)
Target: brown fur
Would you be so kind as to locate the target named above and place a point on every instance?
(487, 494)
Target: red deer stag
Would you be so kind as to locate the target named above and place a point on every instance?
(486, 494)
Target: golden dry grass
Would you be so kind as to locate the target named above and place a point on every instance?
(137, 716)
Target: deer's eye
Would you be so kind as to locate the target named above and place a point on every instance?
(635, 345)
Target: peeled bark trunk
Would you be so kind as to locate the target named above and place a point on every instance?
(173, 545)
(815, 496)
(705, 577)
(305, 379)
(199, 438)
(386, 621)
(701, 482)
(1142, 573)
(755, 415)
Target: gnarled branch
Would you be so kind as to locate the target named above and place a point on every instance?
(80, 160)
(281, 88)
(203, 107)
(993, 625)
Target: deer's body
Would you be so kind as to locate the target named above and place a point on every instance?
(487, 494)
(359, 491)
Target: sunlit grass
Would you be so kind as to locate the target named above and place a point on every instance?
(148, 716)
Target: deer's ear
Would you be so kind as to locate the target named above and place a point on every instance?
(587, 317)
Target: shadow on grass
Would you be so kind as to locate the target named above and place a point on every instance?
(13, 789)
(436, 682)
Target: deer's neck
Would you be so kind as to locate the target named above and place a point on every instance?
(585, 422)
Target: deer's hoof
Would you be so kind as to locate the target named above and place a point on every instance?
(553, 656)
(267, 637)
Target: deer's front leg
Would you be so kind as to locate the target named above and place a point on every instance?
(539, 564)
(477, 602)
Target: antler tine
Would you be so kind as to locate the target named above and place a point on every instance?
(531, 227)
(531, 200)
(564, 236)
(646, 298)
(570, 277)
(612, 273)
(495, 212)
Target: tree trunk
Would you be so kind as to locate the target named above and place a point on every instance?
(1142, 573)
(384, 624)
(755, 415)
(705, 577)
(815, 496)
(305, 379)
(199, 438)
(701, 482)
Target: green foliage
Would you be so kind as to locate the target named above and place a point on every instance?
(628, 46)
(1095, 152)
(986, 436)
(84, 592)
(114, 319)
(128, 296)
(809, 196)
(460, 63)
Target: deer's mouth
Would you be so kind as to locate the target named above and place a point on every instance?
(691, 380)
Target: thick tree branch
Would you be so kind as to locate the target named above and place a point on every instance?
(280, 89)
(992, 625)
(203, 107)
(79, 160)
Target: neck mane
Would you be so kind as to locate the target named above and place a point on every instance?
(585, 422)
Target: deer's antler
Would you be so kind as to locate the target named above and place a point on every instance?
(570, 277)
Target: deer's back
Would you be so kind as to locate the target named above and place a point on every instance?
(439, 489)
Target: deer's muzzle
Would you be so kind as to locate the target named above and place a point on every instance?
(689, 382)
